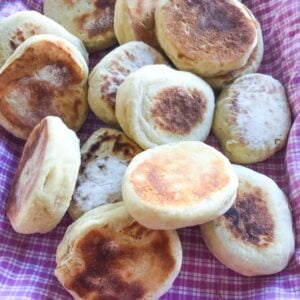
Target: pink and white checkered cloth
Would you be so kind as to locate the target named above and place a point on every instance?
(27, 262)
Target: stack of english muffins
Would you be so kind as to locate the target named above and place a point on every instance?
(183, 69)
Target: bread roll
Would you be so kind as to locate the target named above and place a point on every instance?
(207, 37)
(41, 190)
(255, 236)
(105, 157)
(158, 105)
(252, 118)
(91, 21)
(106, 254)
(46, 75)
(111, 71)
(178, 185)
(22, 25)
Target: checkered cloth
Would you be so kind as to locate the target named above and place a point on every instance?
(27, 262)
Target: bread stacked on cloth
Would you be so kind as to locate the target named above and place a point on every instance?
(155, 173)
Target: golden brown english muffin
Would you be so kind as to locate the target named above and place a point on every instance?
(158, 105)
(252, 65)
(255, 236)
(207, 37)
(41, 190)
(105, 157)
(178, 185)
(18, 27)
(106, 254)
(46, 75)
(90, 20)
(252, 118)
(111, 71)
(134, 21)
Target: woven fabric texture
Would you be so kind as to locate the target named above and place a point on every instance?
(27, 262)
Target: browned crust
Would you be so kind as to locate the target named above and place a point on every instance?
(178, 110)
(119, 264)
(249, 219)
(35, 147)
(219, 25)
(40, 97)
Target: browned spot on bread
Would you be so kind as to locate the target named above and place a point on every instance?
(249, 219)
(118, 264)
(41, 82)
(99, 21)
(25, 179)
(70, 2)
(171, 180)
(219, 25)
(178, 110)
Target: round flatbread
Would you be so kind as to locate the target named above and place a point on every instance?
(158, 105)
(252, 118)
(22, 25)
(111, 71)
(178, 185)
(106, 254)
(134, 21)
(45, 76)
(255, 236)
(90, 20)
(209, 38)
(41, 190)
(104, 159)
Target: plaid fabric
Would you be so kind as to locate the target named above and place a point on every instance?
(27, 262)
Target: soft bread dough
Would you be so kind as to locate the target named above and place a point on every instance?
(22, 25)
(41, 190)
(134, 21)
(178, 185)
(107, 254)
(111, 71)
(90, 20)
(104, 159)
(46, 75)
(158, 105)
(252, 118)
(255, 236)
(207, 37)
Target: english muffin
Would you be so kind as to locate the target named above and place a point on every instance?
(106, 254)
(46, 75)
(178, 185)
(252, 65)
(44, 181)
(18, 27)
(111, 71)
(134, 21)
(158, 105)
(104, 159)
(207, 37)
(91, 21)
(255, 236)
(252, 118)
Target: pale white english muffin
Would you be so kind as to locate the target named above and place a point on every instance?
(158, 105)
(252, 65)
(255, 236)
(178, 185)
(90, 20)
(252, 118)
(134, 21)
(111, 71)
(18, 27)
(44, 181)
(45, 76)
(104, 159)
(107, 254)
(209, 38)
